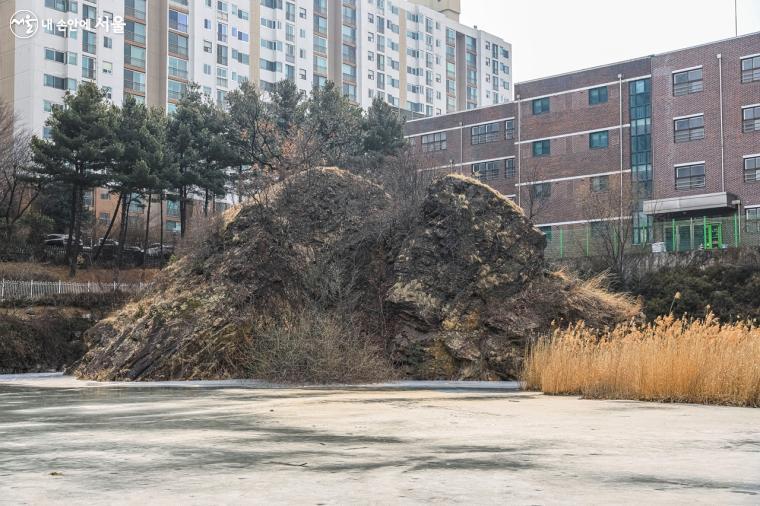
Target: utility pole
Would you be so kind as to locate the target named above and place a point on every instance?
(736, 20)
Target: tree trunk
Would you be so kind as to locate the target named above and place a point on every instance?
(108, 230)
(182, 212)
(123, 232)
(72, 217)
(161, 230)
(205, 205)
(147, 229)
(74, 245)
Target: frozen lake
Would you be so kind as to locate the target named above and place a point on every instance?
(65, 441)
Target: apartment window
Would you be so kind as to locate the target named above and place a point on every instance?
(134, 81)
(751, 69)
(541, 105)
(107, 42)
(62, 5)
(178, 21)
(208, 46)
(597, 95)
(482, 134)
(541, 191)
(88, 67)
(752, 168)
(221, 77)
(320, 25)
(134, 32)
(89, 42)
(687, 81)
(178, 44)
(509, 129)
(107, 67)
(320, 44)
(600, 184)
(689, 129)
(135, 9)
(509, 168)
(134, 56)
(221, 54)
(690, 176)
(433, 142)
(60, 83)
(751, 118)
(598, 140)
(541, 148)
(53, 55)
(485, 171)
(320, 64)
(176, 90)
(178, 68)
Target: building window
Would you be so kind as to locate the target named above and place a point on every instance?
(433, 142)
(547, 231)
(541, 105)
(689, 129)
(178, 44)
(107, 42)
(689, 177)
(509, 168)
(485, 171)
(178, 21)
(600, 184)
(598, 140)
(752, 168)
(509, 129)
(89, 42)
(541, 148)
(751, 69)
(482, 134)
(687, 81)
(104, 218)
(751, 119)
(541, 191)
(752, 219)
(597, 95)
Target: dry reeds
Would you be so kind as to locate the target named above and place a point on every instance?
(669, 360)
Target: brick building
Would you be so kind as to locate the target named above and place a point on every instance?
(664, 148)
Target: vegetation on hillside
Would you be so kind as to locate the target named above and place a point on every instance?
(669, 360)
(731, 291)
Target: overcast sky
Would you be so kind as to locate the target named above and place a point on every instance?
(554, 36)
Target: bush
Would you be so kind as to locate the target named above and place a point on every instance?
(732, 292)
(312, 347)
(670, 360)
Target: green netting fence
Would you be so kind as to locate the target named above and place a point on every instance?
(667, 235)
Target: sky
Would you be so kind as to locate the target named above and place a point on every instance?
(555, 36)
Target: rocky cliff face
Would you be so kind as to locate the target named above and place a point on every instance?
(456, 296)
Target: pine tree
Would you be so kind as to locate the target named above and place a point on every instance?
(78, 154)
(383, 130)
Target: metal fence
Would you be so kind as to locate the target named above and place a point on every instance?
(15, 290)
(21, 252)
(673, 235)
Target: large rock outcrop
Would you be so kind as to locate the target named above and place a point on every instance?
(455, 296)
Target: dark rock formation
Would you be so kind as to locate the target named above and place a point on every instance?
(456, 296)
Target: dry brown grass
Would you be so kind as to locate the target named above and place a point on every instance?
(313, 347)
(26, 271)
(669, 360)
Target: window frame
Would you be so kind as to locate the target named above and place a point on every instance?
(542, 143)
(598, 100)
(691, 132)
(691, 185)
(600, 134)
(540, 106)
(689, 85)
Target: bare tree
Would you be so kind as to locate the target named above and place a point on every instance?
(609, 212)
(536, 197)
(18, 190)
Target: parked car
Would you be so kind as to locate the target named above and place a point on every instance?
(58, 240)
(154, 250)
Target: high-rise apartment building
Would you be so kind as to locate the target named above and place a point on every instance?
(418, 58)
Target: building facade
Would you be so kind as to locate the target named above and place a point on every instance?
(664, 148)
(416, 57)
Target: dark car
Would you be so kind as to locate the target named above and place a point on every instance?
(154, 250)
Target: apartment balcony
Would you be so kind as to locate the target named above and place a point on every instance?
(179, 73)
(131, 12)
(134, 62)
(134, 86)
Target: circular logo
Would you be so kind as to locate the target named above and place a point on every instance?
(24, 24)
